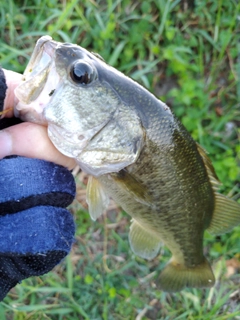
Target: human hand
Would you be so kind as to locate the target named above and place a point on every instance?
(27, 139)
(37, 232)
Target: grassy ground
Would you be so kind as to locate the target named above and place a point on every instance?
(189, 58)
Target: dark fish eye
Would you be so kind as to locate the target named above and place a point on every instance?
(82, 72)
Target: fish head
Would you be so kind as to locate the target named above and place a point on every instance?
(70, 90)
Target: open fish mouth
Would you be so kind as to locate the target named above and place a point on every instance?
(40, 80)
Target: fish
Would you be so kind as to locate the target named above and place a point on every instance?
(135, 151)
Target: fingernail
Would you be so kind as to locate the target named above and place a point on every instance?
(5, 144)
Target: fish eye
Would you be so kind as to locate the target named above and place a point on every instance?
(82, 73)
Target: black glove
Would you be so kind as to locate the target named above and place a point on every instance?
(36, 232)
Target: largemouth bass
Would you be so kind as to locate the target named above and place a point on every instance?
(135, 151)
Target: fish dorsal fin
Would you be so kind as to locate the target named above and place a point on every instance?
(226, 215)
(96, 198)
(143, 243)
(210, 170)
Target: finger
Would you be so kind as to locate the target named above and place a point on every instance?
(31, 140)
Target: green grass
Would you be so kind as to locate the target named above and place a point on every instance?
(191, 60)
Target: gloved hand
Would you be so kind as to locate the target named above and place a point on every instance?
(36, 232)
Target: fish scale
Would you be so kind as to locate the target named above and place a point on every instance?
(164, 220)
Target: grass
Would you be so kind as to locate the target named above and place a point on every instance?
(189, 58)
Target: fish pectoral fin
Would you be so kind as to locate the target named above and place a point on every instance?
(176, 276)
(96, 198)
(128, 182)
(143, 243)
(226, 215)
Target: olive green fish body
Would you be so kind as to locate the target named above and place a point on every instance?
(134, 150)
(155, 192)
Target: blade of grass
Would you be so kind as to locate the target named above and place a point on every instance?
(116, 53)
(62, 18)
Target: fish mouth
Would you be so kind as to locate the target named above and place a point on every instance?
(39, 82)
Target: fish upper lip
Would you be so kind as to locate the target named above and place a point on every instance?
(49, 45)
(41, 41)
(45, 47)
